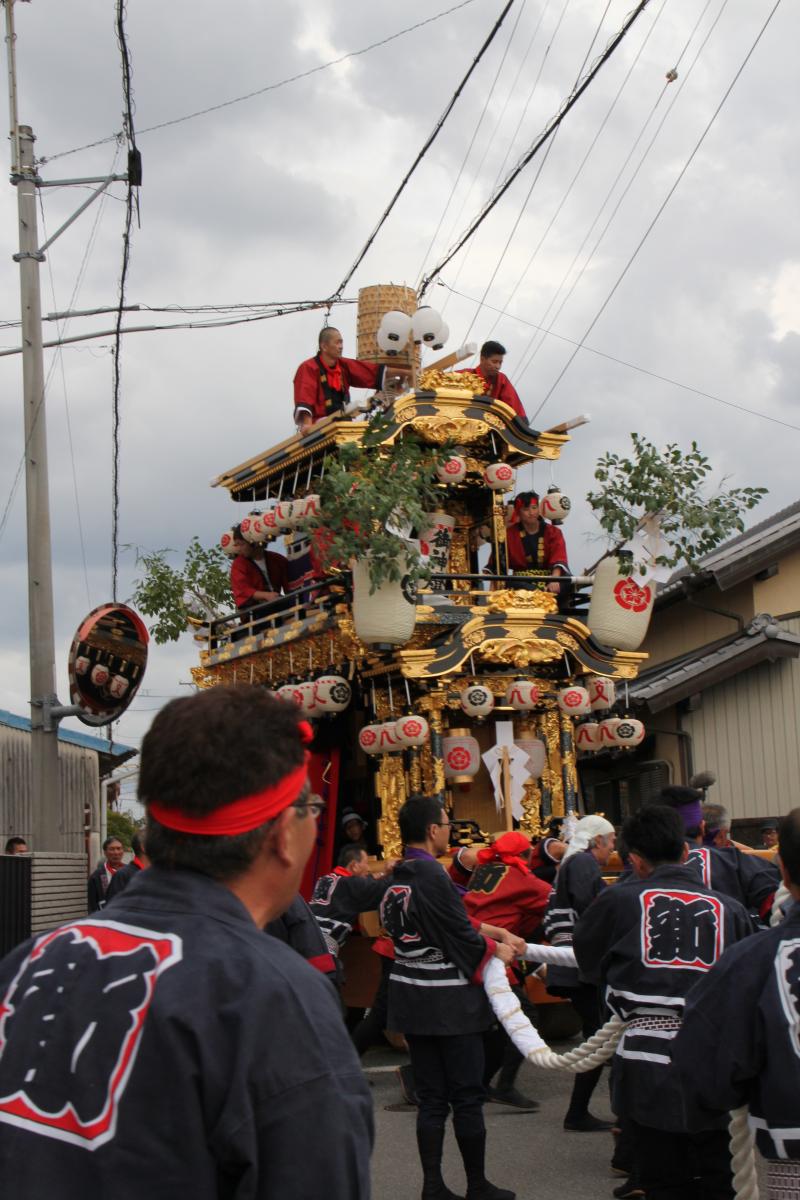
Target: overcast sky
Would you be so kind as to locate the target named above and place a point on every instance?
(271, 199)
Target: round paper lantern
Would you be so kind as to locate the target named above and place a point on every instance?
(268, 523)
(100, 675)
(500, 477)
(536, 751)
(476, 700)
(425, 325)
(284, 514)
(333, 693)
(386, 616)
(118, 686)
(290, 692)
(555, 506)
(602, 693)
(308, 507)
(412, 730)
(226, 544)
(522, 695)
(441, 337)
(394, 331)
(587, 736)
(461, 755)
(453, 470)
(629, 732)
(388, 740)
(246, 526)
(620, 608)
(82, 664)
(435, 541)
(607, 732)
(368, 739)
(574, 700)
(308, 697)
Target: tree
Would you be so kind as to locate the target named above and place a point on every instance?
(121, 826)
(200, 588)
(670, 485)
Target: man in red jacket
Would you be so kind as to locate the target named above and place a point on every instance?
(498, 385)
(253, 580)
(535, 547)
(322, 383)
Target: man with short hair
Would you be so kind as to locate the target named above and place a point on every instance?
(139, 862)
(769, 835)
(499, 386)
(104, 872)
(16, 845)
(739, 1042)
(535, 547)
(644, 944)
(322, 383)
(169, 1031)
(347, 891)
(257, 575)
(436, 998)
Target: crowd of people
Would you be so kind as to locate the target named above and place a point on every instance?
(187, 1037)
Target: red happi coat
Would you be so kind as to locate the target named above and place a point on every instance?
(311, 395)
(552, 549)
(501, 389)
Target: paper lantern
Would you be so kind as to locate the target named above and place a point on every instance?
(574, 700)
(394, 331)
(118, 686)
(522, 695)
(602, 692)
(290, 692)
(306, 508)
(462, 756)
(412, 730)
(607, 731)
(476, 700)
(500, 477)
(620, 608)
(536, 751)
(435, 541)
(333, 693)
(268, 523)
(284, 514)
(453, 470)
(100, 675)
(368, 739)
(226, 544)
(587, 736)
(246, 526)
(388, 740)
(441, 337)
(308, 697)
(82, 664)
(425, 325)
(629, 732)
(555, 506)
(386, 616)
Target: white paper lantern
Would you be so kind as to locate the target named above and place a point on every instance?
(412, 730)
(226, 544)
(269, 524)
(602, 692)
(574, 700)
(587, 736)
(100, 675)
(620, 608)
(536, 751)
(308, 507)
(441, 337)
(453, 470)
(394, 331)
(500, 477)
(388, 741)
(284, 514)
(522, 695)
(607, 732)
(386, 616)
(247, 526)
(629, 732)
(308, 697)
(476, 700)
(462, 756)
(368, 739)
(435, 541)
(555, 506)
(290, 692)
(333, 693)
(118, 686)
(425, 325)
(82, 664)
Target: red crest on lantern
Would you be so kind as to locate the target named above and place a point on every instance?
(630, 596)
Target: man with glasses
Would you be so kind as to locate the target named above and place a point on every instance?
(437, 1000)
(169, 1030)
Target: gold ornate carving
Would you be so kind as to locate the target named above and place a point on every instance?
(520, 652)
(531, 822)
(566, 639)
(465, 381)
(390, 789)
(550, 731)
(494, 420)
(442, 428)
(538, 598)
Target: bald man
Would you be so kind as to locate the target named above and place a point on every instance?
(322, 383)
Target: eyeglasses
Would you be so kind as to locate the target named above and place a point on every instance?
(314, 804)
(443, 824)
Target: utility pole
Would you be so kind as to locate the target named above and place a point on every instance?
(45, 782)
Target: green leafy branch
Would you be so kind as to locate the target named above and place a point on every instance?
(171, 595)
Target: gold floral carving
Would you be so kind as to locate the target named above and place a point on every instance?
(550, 730)
(440, 429)
(390, 789)
(520, 652)
(538, 599)
(531, 823)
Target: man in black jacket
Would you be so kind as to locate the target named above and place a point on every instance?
(104, 872)
(139, 862)
(348, 890)
(437, 1001)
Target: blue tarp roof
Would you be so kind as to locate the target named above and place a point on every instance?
(99, 745)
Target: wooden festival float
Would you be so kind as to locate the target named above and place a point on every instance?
(477, 690)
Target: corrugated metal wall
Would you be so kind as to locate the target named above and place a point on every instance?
(80, 784)
(746, 730)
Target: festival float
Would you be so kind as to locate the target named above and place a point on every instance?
(426, 673)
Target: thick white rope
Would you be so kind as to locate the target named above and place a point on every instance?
(596, 1050)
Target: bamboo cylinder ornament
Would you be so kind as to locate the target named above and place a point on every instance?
(375, 303)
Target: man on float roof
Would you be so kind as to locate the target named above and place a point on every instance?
(322, 383)
(500, 386)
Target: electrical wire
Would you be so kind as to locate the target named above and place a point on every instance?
(270, 87)
(686, 387)
(425, 147)
(551, 127)
(661, 207)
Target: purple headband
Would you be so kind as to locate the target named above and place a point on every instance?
(691, 814)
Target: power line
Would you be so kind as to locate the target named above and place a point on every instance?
(426, 146)
(270, 87)
(661, 208)
(568, 104)
(686, 387)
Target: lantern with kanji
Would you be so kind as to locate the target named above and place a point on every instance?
(602, 692)
(411, 730)
(620, 608)
(333, 693)
(522, 695)
(284, 514)
(476, 700)
(118, 686)
(452, 470)
(388, 740)
(500, 477)
(587, 736)
(629, 732)
(555, 506)
(369, 740)
(308, 697)
(290, 692)
(574, 701)
(607, 732)
(461, 755)
(435, 541)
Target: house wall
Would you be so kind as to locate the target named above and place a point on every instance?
(80, 785)
(781, 594)
(683, 627)
(746, 731)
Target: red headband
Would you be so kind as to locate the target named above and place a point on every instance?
(245, 814)
(519, 503)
